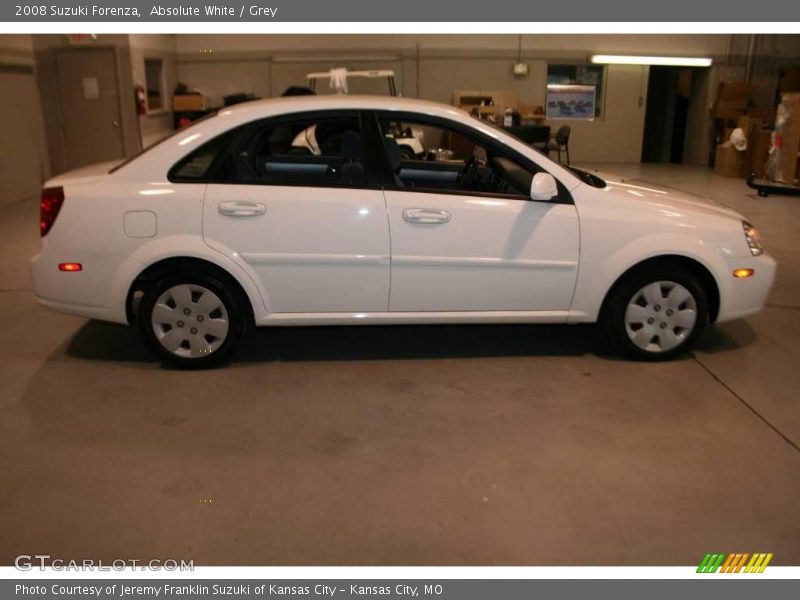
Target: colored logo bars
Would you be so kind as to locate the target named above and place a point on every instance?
(733, 563)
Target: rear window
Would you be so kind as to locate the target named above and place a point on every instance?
(169, 136)
(197, 166)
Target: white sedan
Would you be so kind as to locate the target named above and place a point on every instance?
(231, 222)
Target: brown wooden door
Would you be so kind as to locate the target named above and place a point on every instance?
(89, 105)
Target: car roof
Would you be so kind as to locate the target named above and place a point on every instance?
(289, 104)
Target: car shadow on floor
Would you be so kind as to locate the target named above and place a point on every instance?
(109, 342)
(726, 336)
(106, 341)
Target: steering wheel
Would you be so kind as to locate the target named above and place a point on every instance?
(467, 177)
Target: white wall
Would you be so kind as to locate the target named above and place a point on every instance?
(617, 136)
(677, 44)
(24, 163)
(16, 42)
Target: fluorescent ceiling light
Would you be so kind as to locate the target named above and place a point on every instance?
(669, 61)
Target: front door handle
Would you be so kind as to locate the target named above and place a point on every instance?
(426, 216)
(241, 209)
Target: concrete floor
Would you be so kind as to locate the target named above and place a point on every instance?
(414, 446)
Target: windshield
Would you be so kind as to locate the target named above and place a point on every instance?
(511, 133)
(584, 176)
(160, 141)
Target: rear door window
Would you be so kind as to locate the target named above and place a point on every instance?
(315, 150)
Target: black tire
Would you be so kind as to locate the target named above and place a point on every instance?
(613, 316)
(235, 314)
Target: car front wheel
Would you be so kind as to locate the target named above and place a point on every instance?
(656, 315)
(191, 321)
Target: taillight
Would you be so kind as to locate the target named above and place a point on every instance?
(50, 204)
(70, 267)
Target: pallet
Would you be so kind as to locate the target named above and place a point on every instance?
(765, 188)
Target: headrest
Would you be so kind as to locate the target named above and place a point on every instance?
(393, 153)
(351, 146)
(244, 168)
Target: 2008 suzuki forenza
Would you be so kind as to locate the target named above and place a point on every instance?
(305, 211)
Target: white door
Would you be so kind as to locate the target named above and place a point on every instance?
(463, 253)
(300, 211)
(465, 234)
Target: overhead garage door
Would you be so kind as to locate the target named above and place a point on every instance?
(21, 134)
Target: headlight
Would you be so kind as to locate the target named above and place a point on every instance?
(753, 238)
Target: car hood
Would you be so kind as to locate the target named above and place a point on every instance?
(664, 198)
(84, 174)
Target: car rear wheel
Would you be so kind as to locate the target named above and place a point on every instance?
(657, 314)
(192, 320)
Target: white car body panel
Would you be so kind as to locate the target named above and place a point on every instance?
(492, 255)
(313, 250)
(346, 256)
(639, 221)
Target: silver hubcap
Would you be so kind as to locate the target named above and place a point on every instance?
(660, 316)
(190, 321)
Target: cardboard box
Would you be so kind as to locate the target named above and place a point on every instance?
(751, 127)
(726, 136)
(759, 152)
(790, 80)
(730, 109)
(734, 90)
(182, 102)
(728, 161)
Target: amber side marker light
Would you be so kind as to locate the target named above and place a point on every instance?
(70, 267)
(743, 273)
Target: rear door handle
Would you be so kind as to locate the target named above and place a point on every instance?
(241, 209)
(426, 216)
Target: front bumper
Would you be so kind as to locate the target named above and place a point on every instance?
(744, 296)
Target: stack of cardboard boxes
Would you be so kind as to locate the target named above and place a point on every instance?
(731, 111)
(789, 81)
(731, 162)
(732, 100)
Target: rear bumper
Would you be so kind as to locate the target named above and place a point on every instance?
(90, 312)
(86, 293)
(741, 297)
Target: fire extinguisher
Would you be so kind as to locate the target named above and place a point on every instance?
(141, 100)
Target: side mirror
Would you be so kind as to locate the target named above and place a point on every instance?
(543, 187)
